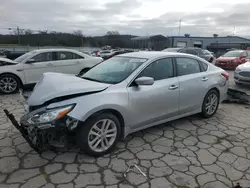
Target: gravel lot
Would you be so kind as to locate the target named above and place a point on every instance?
(191, 152)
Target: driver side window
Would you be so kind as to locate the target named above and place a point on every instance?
(159, 70)
(43, 57)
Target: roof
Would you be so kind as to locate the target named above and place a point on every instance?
(55, 49)
(151, 54)
(210, 37)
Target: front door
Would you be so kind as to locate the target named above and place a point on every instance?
(40, 64)
(193, 83)
(151, 104)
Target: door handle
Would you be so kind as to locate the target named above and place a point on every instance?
(204, 79)
(49, 64)
(172, 87)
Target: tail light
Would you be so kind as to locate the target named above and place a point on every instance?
(225, 75)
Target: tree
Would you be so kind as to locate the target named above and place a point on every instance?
(28, 32)
(110, 33)
(78, 33)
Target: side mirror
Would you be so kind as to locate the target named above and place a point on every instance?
(31, 61)
(143, 81)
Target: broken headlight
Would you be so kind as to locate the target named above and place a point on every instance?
(49, 115)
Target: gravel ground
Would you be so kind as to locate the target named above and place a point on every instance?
(191, 152)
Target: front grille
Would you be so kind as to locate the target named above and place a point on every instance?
(245, 73)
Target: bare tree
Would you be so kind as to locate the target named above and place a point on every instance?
(43, 32)
(28, 32)
(78, 33)
(109, 33)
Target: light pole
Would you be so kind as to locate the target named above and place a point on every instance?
(180, 27)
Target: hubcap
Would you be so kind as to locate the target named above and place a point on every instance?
(102, 135)
(8, 84)
(211, 104)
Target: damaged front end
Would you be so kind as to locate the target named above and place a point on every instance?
(43, 127)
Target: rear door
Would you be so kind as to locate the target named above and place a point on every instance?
(43, 62)
(68, 62)
(153, 103)
(193, 83)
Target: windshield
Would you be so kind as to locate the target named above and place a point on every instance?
(113, 70)
(171, 50)
(232, 54)
(23, 57)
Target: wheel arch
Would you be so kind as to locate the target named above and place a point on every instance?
(116, 113)
(216, 89)
(13, 74)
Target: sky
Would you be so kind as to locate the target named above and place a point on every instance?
(136, 17)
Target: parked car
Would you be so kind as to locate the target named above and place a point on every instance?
(121, 95)
(106, 54)
(28, 68)
(242, 74)
(209, 56)
(2, 55)
(189, 50)
(232, 59)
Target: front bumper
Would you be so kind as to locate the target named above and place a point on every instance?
(40, 137)
(226, 65)
(241, 79)
(22, 130)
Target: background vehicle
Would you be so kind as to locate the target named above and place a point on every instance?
(232, 59)
(28, 68)
(242, 74)
(189, 50)
(209, 56)
(124, 94)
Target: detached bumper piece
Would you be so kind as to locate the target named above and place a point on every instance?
(46, 137)
(22, 130)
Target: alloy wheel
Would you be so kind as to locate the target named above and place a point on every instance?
(211, 103)
(102, 135)
(8, 84)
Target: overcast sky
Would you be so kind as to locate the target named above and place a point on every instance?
(138, 17)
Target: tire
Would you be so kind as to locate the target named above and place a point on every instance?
(205, 112)
(11, 82)
(83, 71)
(84, 136)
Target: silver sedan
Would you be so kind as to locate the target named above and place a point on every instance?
(124, 94)
(242, 74)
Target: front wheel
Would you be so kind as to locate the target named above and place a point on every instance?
(9, 84)
(210, 104)
(99, 134)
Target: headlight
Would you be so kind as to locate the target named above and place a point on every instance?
(237, 70)
(49, 115)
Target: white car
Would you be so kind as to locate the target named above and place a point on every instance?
(28, 68)
(242, 74)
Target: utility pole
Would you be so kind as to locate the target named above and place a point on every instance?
(234, 31)
(180, 27)
(18, 35)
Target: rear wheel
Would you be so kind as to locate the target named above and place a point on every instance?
(99, 134)
(210, 104)
(9, 84)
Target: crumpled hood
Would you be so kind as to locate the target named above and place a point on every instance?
(226, 58)
(245, 66)
(54, 85)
